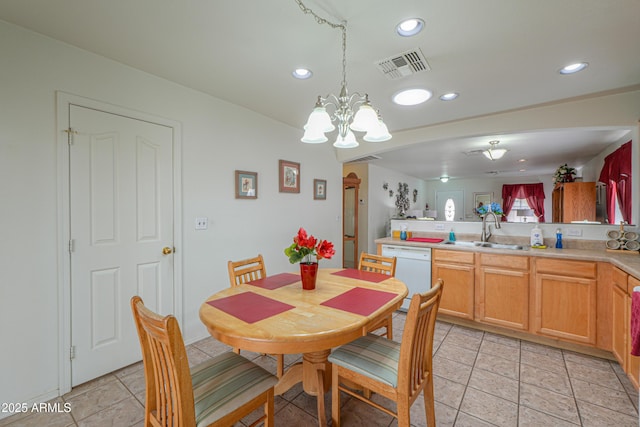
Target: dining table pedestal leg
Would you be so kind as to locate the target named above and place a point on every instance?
(316, 379)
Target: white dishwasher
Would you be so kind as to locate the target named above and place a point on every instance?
(413, 267)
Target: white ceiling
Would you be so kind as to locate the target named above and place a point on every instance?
(498, 54)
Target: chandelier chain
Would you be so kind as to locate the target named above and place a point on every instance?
(350, 112)
(342, 26)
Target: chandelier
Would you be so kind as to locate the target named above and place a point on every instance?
(350, 112)
(494, 153)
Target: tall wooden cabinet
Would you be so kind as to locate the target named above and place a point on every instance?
(574, 201)
(350, 188)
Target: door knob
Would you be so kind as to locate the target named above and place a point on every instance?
(166, 250)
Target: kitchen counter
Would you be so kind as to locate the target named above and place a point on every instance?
(628, 262)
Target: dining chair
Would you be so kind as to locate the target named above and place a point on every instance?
(384, 265)
(245, 271)
(218, 392)
(397, 371)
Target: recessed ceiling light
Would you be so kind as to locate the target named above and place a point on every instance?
(302, 73)
(573, 68)
(523, 170)
(444, 178)
(449, 96)
(522, 160)
(410, 27)
(412, 97)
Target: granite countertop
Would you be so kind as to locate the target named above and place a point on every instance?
(629, 262)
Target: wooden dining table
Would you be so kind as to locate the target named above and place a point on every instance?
(274, 315)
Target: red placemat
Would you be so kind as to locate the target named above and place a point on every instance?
(424, 239)
(250, 307)
(369, 276)
(360, 301)
(275, 281)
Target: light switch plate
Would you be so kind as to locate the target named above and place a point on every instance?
(202, 223)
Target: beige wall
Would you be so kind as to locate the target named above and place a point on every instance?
(217, 138)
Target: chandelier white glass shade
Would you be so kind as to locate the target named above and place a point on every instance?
(349, 112)
(494, 153)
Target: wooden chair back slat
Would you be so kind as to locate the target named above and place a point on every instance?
(246, 270)
(377, 264)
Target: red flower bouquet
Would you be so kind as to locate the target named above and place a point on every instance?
(304, 247)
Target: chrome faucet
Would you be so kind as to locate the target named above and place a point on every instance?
(485, 236)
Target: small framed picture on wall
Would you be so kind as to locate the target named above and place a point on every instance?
(246, 185)
(319, 189)
(289, 173)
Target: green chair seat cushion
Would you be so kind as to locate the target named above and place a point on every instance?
(224, 383)
(373, 356)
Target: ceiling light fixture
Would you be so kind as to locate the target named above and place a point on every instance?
(410, 27)
(494, 153)
(365, 119)
(411, 97)
(449, 96)
(573, 68)
(302, 73)
(444, 178)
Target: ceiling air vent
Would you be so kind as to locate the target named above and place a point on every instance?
(404, 64)
(474, 152)
(364, 159)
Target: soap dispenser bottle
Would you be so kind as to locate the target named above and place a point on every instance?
(558, 239)
(452, 236)
(536, 236)
(403, 232)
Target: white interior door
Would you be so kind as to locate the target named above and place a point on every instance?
(455, 201)
(121, 218)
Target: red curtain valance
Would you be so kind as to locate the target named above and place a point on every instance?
(533, 193)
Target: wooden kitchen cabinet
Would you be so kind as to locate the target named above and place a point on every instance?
(574, 201)
(565, 300)
(502, 291)
(457, 270)
(622, 291)
(619, 316)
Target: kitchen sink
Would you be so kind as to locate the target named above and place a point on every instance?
(501, 246)
(461, 243)
(485, 245)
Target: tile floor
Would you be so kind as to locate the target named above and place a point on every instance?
(481, 379)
